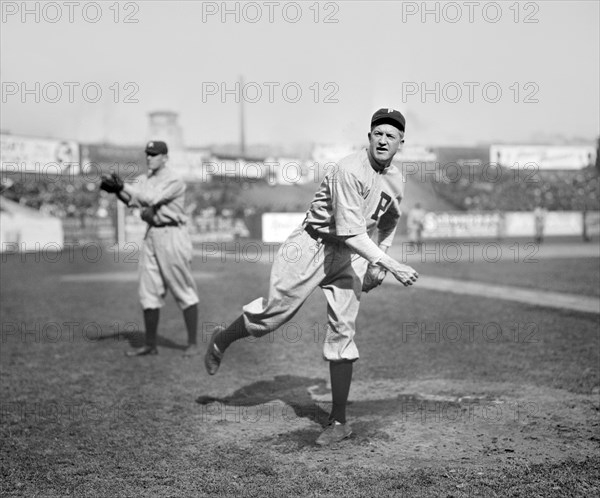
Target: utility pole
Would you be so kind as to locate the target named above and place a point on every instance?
(242, 132)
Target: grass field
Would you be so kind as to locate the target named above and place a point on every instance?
(453, 395)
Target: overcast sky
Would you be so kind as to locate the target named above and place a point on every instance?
(181, 55)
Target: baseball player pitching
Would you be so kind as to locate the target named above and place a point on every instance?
(165, 263)
(357, 198)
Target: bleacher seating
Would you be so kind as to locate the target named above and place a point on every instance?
(509, 190)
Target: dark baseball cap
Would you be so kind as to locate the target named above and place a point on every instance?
(156, 147)
(389, 116)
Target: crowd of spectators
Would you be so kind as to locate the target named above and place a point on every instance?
(495, 188)
(487, 188)
(60, 196)
(72, 196)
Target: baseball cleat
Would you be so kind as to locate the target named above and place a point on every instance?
(191, 350)
(213, 357)
(143, 351)
(334, 433)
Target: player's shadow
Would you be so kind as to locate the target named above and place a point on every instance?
(137, 339)
(293, 391)
(368, 417)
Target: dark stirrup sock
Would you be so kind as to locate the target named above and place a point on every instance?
(341, 378)
(235, 332)
(151, 316)
(190, 315)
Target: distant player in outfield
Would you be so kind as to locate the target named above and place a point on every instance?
(165, 263)
(539, 218)
(414, 223)
(357, 198)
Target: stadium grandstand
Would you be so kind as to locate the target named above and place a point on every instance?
(460, 179)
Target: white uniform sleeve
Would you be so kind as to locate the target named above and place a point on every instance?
(134, 189)
(347, 203)
(168, 191)
(365, 247)
(157, 196)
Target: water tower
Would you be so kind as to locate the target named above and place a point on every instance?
(163, 126)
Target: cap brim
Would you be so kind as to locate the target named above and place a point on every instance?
(390, 121)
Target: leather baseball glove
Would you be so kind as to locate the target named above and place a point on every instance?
(373, 277)
(112, 183)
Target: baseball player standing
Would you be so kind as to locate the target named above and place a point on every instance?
(165, 262)
(335, 252)
(539, 218)
(415, 222)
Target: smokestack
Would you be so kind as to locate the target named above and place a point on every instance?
(242, 131)
(163, 125)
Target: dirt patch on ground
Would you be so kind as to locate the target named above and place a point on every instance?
(428, 422)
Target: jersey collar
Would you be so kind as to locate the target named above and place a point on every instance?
(157, 172)
(376, 167)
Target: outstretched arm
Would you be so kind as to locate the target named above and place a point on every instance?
(114, 184)
(365, 247)
(124, 197)
(155, 197)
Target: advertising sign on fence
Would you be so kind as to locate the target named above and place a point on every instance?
(451, 225)
(277, 226)
(544, 157)
(42, 156)
(500, 225)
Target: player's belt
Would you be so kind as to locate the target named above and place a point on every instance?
(320, 236)
(162, 225)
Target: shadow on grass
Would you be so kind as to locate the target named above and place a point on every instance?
(137, 339)
(368, 417)
(293, 391)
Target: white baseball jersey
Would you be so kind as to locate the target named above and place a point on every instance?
(167, 253)
(164, 193)
(353, 198)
